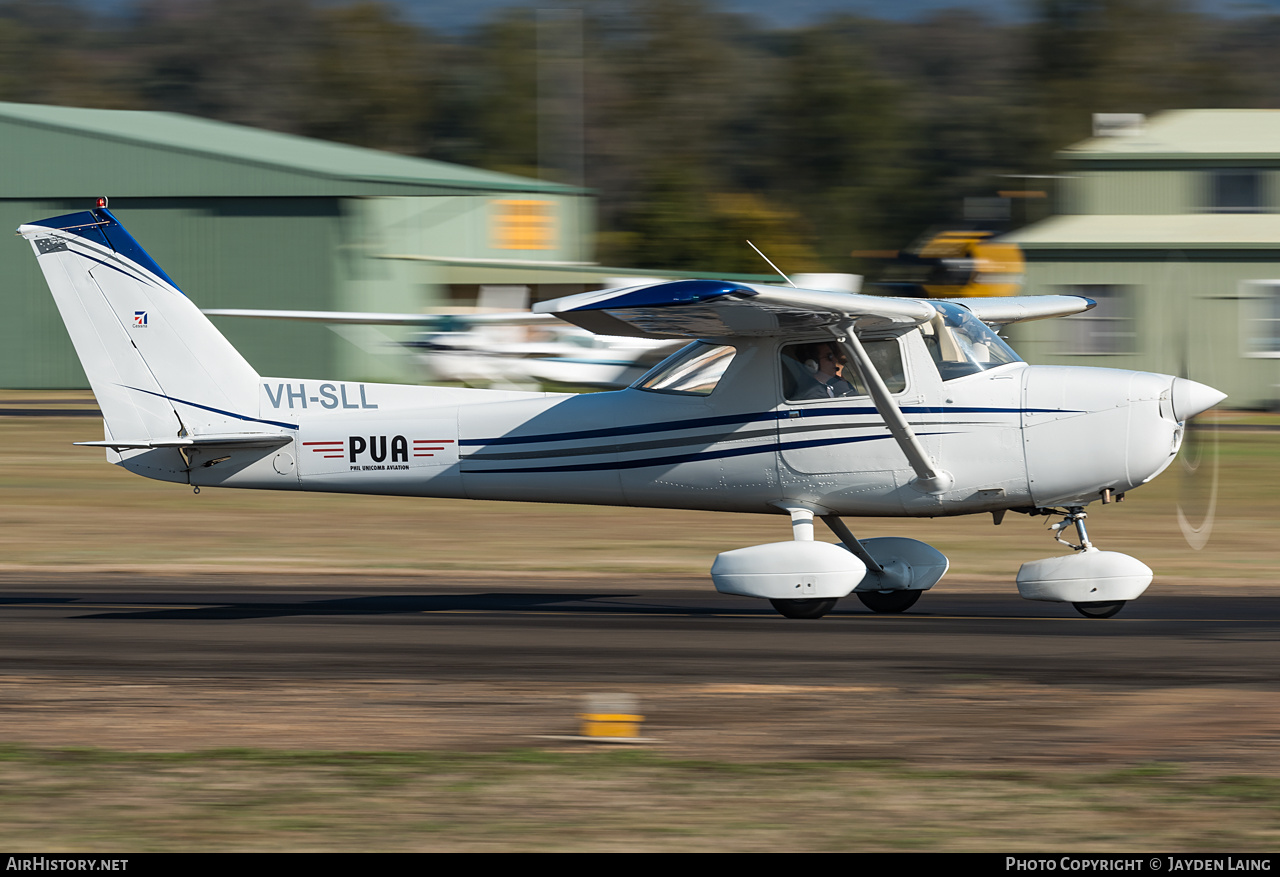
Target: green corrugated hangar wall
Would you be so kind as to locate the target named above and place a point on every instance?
(240, 218)
(223, 252)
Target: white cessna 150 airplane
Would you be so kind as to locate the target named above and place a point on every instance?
(789, 401)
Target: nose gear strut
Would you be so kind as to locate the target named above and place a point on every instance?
(1073, 515)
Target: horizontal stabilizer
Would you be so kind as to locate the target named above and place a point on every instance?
(242, 440)
(435, 322)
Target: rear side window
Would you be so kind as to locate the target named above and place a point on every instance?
(694, 371)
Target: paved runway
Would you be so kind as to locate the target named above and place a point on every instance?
(483, 663)
(342, 626)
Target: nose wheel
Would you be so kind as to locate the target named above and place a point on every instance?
(1101, 609)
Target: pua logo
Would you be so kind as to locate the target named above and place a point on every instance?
(139, 319)
(377, 448)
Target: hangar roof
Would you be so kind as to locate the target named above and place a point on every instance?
(1189, 135)
(1199, 231)
(68, 152)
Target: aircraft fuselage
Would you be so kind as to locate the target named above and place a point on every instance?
(1015, 436)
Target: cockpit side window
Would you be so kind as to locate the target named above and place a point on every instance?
(824, 369)
(961, 344)
(692, 371)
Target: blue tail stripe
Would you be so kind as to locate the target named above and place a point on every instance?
(100, 227)
(115, 268)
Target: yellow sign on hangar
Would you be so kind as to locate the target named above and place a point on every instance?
(524, 224)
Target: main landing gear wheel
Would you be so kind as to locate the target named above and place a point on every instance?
(889, 602)
(1102, 609)
(803, 608)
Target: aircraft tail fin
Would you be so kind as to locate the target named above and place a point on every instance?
(158, 367)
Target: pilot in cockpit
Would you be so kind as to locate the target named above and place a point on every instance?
(823, 375)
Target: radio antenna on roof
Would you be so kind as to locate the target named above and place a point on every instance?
(771, 265)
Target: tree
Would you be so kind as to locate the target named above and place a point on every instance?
(241, 61)
(370, 80)
(846, 157)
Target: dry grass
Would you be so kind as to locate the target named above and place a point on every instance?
(103, 801)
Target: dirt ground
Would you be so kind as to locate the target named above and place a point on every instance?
(1211, 730)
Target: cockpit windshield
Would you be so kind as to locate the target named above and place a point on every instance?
(693, 371)
(961, 344)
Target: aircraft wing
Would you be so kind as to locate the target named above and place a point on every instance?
(717, 308)
(1000, 311)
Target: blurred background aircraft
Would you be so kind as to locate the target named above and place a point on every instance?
(490, 347)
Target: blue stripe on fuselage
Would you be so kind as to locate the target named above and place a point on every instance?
(674, 459)
(758, 417)
(634, 429)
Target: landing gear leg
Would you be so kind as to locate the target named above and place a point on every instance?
(1074, 515)
(903, 568)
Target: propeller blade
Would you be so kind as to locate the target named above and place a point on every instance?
(1198, 458)
(1198, 491)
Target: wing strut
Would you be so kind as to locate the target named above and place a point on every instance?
(929, 478)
